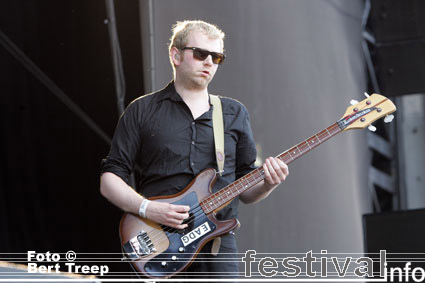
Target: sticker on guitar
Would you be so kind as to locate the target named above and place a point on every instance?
(196, 233)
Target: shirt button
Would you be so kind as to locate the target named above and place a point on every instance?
(193, 123)
(193, 142)
(192, 163)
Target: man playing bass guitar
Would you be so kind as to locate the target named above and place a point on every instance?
(169, 135)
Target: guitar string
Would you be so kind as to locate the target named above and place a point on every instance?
(196, 206)
(195, 214)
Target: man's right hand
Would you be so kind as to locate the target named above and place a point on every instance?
(119, 193)
(167, 214)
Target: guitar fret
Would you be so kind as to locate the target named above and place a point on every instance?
(245, 183)
(224, 198)
(237, 186)
(290, 155)
(223, 195)
(219, 197)
(298, 149)
(318, 139)
(228, 194)
(242, 183)
(211, 201)
(328, 132)
(252, 181)
(303, 146)
(308, 145)
(207, 203)
(246, 186)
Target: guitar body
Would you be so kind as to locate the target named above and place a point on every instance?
(159, 251)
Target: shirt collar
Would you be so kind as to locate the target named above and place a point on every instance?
(169, 92)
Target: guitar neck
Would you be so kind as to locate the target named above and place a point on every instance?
(221, 198)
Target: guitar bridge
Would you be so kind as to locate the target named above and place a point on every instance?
(138, 246)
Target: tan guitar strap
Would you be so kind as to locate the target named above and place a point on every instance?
(218, 129)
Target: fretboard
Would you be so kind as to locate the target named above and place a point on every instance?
(221, 198)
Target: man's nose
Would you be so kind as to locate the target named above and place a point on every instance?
(208, 60)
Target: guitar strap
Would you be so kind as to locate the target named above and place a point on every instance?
(218, 129)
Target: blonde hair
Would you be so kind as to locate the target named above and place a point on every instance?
(181, 31)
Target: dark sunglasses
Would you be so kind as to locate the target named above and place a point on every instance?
(202, 54)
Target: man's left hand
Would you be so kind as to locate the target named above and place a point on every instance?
(275, 171)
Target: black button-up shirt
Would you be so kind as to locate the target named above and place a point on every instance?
(157, 131)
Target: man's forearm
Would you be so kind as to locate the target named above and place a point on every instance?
(258, 192)
(119, 193)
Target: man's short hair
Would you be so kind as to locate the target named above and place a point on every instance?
(181, 31)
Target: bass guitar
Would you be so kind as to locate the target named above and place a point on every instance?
(158, 251)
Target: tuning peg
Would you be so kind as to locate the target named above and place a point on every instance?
(372, 128)
(366, 94)
(388, 118)
(353, 102)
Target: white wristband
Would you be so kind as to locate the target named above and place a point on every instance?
(143, 206)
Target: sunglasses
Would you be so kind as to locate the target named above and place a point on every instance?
(202, 54)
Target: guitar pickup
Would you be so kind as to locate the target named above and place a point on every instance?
(138, 246)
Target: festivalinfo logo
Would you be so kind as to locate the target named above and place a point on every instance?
(309, 268)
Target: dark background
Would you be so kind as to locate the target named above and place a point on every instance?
(49, 197)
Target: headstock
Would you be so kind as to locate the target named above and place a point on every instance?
(365, 112)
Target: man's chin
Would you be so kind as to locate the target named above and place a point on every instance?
(200, 83)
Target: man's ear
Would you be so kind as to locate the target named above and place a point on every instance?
(175, 56)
